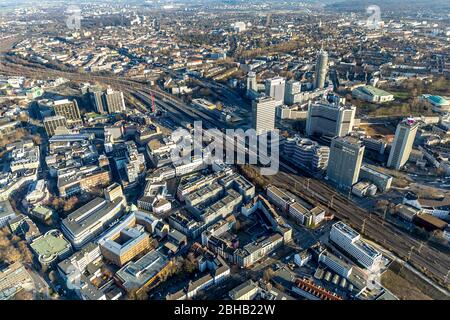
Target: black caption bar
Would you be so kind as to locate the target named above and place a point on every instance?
(186, 310)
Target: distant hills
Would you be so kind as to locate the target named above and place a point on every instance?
(397, 5)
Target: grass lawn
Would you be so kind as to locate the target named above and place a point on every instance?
(408, 286)
(402, 288)
(402, 95)
(376, 129)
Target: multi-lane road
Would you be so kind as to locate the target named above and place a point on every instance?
(421, 255)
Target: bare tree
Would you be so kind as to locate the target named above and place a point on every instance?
(268, 274)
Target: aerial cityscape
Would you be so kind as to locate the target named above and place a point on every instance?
(225, 150)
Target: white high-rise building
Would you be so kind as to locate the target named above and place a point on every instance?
(263, 110)
(275, 88)
(350, 241)
(403, 143)
(330, 119)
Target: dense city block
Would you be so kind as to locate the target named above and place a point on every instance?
(225, 150)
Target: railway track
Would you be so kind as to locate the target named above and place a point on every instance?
(429, 260)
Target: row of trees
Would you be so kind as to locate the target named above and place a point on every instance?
(15, 136)
(63, 206)
(12, 137)
(417, 87)
(13, 248)
(178, 266)
(252, 174)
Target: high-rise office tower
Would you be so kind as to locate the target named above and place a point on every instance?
(334, 77)
(403, 143)
(321, 69)
(293, 89)
(330, 119)
(96, 97)
(263, 110)
(67, 109)
(252, 85)
(114, 101)
(51, 124)
(275, 88)
(306, 153)
(344, 164)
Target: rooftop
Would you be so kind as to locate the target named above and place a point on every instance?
(89, 214)
(349, 232)
(337, 260)
(243, 289)
(137, 274)
(375, 172)
(6, 209)
(374, 91)
(63, 101)
(50, 246)
(127, 239)
(43, 211)
(438, 100)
